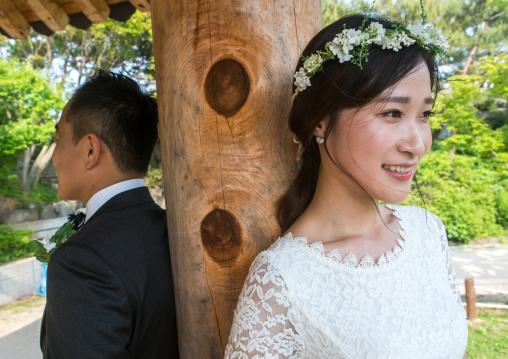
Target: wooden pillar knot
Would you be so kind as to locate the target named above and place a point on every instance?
(221, 236)
(227, 87)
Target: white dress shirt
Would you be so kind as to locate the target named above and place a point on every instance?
(107, 193)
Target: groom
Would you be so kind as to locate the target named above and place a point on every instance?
(109, 288)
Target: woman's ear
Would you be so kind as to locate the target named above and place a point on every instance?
(92, 146)
(320, 129)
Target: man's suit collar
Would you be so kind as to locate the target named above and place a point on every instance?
(133, 197)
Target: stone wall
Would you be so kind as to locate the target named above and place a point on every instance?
(19, 279)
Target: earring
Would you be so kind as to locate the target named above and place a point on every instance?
(320, 140)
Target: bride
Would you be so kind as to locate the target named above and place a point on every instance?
(351, 277)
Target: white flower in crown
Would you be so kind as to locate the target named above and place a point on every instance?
(313, 63)
(353, 37)
(301, 79)
(353, 45)
(417, 28)
(376, 33)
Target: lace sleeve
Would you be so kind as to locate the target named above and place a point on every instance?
(445, 249)
(261, 327)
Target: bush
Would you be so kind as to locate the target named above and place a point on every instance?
(45, 194)
(14, 244)
(462, 192)
(10, 186)
(501, 198)
(154, 177)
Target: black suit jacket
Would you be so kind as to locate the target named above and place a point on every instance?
(110, 289)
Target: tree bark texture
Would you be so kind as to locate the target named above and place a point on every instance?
(224, 72)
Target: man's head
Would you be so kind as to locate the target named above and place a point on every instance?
(106, 134)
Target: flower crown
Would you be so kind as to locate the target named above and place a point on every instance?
(353, 45)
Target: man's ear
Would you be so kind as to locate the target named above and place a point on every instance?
(92, 145)
(320, 129)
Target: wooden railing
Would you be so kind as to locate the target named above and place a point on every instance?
(471, 304)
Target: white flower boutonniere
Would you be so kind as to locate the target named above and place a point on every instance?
(44, 247)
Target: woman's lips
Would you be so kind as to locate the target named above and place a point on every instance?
(401, 172)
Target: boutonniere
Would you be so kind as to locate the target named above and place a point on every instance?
(44, 247)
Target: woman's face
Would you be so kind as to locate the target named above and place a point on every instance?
(381, 144)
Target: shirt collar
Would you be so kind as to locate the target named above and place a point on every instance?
(104, 195)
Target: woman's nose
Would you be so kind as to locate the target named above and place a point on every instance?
(416, 140)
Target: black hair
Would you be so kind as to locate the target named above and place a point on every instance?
(115, 109)
(337, 87)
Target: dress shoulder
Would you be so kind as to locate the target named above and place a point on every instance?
(262, 325)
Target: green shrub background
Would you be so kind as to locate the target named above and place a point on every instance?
(14, 244)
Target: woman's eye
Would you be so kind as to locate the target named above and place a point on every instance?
(394, 114)
(427, 114)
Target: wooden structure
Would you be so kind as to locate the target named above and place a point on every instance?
(224, 72)
(49, 16)
(472, 313)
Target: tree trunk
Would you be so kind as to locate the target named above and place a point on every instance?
(29, 152)
(224, 72)
(470, 59)
(40, 163)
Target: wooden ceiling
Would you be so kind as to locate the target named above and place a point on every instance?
(49, 16)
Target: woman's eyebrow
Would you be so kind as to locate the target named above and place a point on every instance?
(403, 99)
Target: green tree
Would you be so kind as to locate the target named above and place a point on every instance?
(456, 110)
(111, 45)
(28, 108)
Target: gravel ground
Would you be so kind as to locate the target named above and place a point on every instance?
(20, 324)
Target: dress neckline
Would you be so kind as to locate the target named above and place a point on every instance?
(350, 262)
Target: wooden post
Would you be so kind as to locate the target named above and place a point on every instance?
(224, 72)
(471, 299)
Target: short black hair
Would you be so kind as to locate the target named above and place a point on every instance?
(114, 108)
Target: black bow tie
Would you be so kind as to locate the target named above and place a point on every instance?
(77, 220)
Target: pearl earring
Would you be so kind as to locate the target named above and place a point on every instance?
(320, 140)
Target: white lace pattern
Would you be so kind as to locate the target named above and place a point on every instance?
(300, 303)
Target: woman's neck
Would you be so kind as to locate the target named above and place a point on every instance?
(340, 210)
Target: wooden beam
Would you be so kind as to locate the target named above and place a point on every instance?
(95, 10)
(50, 13)
(141, 5)
(12, 21)
(224, 72)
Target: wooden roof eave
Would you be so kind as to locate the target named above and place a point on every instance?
(49, 16)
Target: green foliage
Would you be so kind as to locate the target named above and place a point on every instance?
(10, 186)
(154, 177)
(496, 70)
(44, 194)
(111, 45)
(60, 237)
(14, 244)
(462, 193)
(501, 199)
(455, 109)
(27, 109)
(488, 337)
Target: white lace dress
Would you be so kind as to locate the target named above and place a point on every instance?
(298, 302)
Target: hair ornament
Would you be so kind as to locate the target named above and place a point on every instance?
(353, 45)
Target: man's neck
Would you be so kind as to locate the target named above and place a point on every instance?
(104, 195)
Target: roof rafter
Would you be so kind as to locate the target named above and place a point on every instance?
(96, 10)
(141, 5)
(12, 21)
(49, 12)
